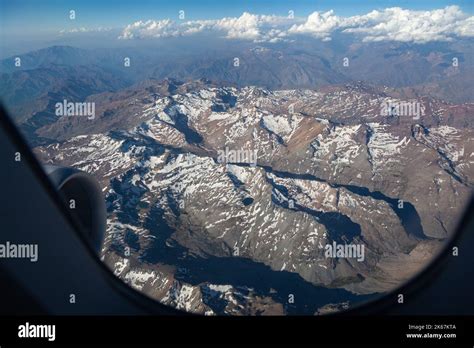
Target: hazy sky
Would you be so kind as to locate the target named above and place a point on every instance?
(31, 24)
(32, 16)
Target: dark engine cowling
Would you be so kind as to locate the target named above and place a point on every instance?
(83, 198)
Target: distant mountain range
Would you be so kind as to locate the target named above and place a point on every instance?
(49, 74)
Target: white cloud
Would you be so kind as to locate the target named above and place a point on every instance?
(83, 30)
(243, 27)
(253, 27)
(319, 25)
(397, 24)
(391, 24)
(465, 27)
(247, 27)
(150, 28)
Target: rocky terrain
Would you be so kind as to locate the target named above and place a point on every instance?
(234, 236)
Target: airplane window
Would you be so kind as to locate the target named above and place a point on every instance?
(254, 158)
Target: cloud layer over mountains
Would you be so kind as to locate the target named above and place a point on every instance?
(390, 24)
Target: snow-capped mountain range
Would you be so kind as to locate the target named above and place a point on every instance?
(197, 226)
